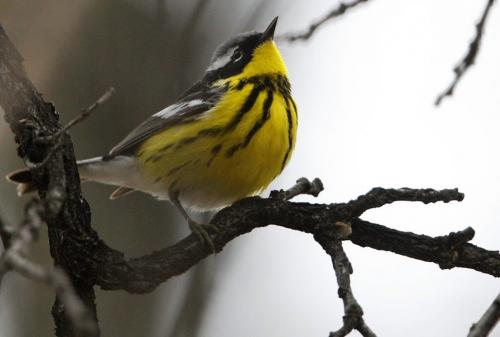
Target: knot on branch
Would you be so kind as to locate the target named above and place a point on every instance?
(453, 243)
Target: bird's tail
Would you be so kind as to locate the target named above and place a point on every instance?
(114, 171)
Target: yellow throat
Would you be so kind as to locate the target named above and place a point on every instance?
(238, 147)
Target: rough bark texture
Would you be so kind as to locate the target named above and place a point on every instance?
(145, 273)
(89, 261)
(66, 212)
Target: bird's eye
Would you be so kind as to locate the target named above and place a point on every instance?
(237, 55)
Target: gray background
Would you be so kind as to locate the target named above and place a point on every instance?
(365, 86)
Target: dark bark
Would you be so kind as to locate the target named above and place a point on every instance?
(89, 261)
(145, 273)
(353, 313)
(67, 214)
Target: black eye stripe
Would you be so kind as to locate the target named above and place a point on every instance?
(236, 54)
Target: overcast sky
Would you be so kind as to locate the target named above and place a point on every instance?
(365, 86)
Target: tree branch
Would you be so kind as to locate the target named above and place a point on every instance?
(13, 258)
(378, 197)
(88, 261)
(353, 313)
(336, 12)
(145, 273)
(66, 213)
(470, 57)
(439, 250)
(488, 321)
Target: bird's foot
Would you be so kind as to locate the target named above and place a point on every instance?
(201, 232)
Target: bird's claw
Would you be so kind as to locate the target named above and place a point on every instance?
(201, 232)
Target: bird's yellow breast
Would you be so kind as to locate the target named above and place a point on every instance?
(233, 151)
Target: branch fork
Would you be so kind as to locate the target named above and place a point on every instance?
(90, 262)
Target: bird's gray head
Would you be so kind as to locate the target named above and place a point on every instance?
(232, 56)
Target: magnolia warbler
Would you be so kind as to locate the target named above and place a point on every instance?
(225, 138)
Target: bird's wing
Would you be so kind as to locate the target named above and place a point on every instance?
(192, 105)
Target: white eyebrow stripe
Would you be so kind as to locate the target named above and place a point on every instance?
(222, 60)
(177, 107)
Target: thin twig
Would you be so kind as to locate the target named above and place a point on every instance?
(469, 58)
(341, 9)
(57, 139)
(14, 259)
(86, 112)
(65, 210)
(488, 321)
(20, 240)
(83, 322)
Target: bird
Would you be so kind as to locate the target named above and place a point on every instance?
(226, 138)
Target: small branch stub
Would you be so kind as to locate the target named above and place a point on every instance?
(302, 187)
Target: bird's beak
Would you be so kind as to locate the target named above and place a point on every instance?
(269, 32)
